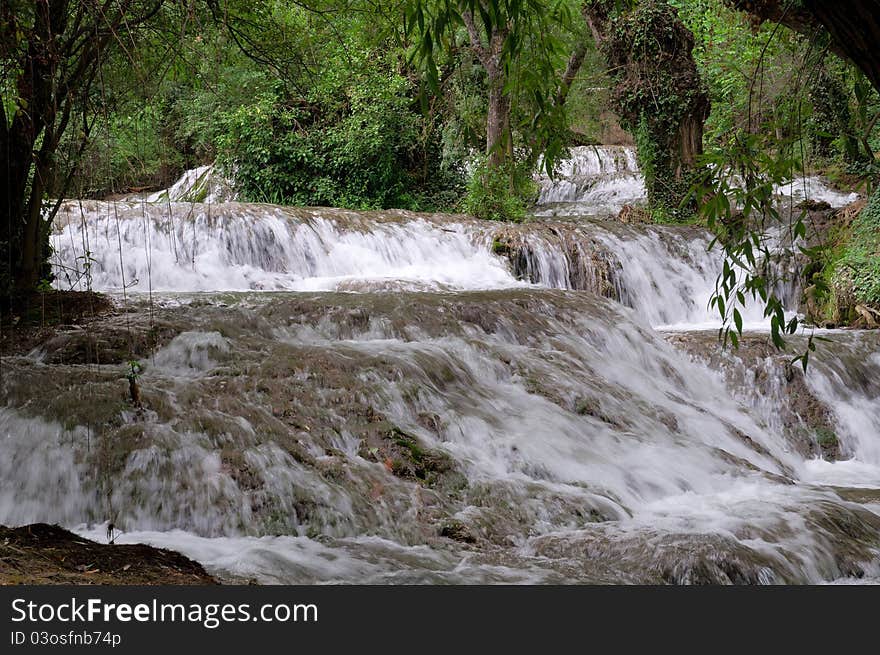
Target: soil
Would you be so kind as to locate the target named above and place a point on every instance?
(42, 554)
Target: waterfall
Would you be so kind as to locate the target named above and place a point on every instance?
(593, 181)
(238, 247)
(666, 273)
(542, 420)
(339, 396)
(600, 180)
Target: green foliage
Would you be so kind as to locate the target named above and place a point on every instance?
(127, 150)
(355, 142)
(500, 194)
(329, 117)
(826, 438)
(647, 150)
(158, 106)
(528, 42)
(739, 206)
(747, 67)
(665, 192)
(135, 368)
(857, 271)
(831, 116)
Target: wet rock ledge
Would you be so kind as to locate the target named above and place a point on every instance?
(42, 554)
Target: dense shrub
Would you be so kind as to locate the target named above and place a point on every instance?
(352, 143)
(857, 272)
(500, 194)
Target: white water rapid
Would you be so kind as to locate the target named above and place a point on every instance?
(385, 397)
(600, 180)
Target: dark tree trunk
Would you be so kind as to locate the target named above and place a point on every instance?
(853, 25)
(29, 169)
(13, 216)
(57, 55)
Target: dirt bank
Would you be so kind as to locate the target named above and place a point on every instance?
(42, 554)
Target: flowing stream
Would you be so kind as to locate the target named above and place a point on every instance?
(375, 397)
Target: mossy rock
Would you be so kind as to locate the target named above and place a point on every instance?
(457, 531)
(500, 247)
(828, 443)
(405, 457)
(852, 269)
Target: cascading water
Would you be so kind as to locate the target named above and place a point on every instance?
(593, 181)
(665, 272)
(600, 180)
(238, 247)
(433, 399)
(202, 184)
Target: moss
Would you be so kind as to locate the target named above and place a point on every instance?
(405, 457)
(826, 438)
(500, 248)
(859, 265)
(201, 188)
(842, 280)
(843, 284)
(427, 462)
(457, 531)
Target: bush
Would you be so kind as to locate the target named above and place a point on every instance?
(489, 195)
(857, 272)
(359, 144)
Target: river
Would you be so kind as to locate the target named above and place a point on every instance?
(329, 396)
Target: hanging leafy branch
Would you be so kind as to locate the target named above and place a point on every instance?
(740, 206)
(519, 44)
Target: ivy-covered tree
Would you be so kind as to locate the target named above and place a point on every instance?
(658, 94)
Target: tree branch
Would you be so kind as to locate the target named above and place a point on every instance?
(476, 42)
(575, 61)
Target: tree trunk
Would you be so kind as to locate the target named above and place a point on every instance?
(689, 142)
(66, 42)
(497, 122)
(575, 61)
(853, 25)
(498, 115)
(33, 255)
(18, 232)
(28, 170)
